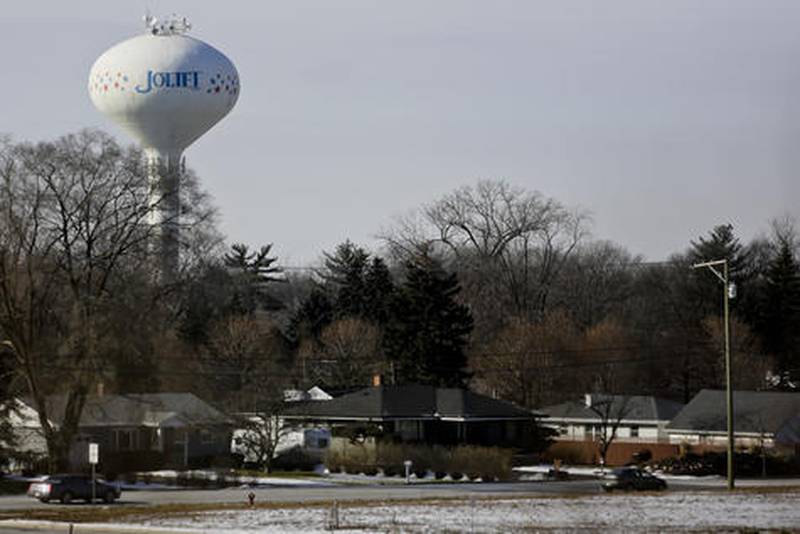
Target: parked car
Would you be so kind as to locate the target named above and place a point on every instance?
(66, 488)
(632, 478)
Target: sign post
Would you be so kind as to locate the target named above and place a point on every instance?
(94, 454)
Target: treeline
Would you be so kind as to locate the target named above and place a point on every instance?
(491, 286)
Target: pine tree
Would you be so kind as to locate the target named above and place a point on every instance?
(343, 275)
(378, 291)
(314, 314)
(704, 290)
(428, 329)
(779, 315)
(251, 273)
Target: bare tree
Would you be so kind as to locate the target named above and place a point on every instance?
(497, 236)
(350, 353)
(527, 362)
(73, 231)
(611, 410)
(262, 431)
(596, 281)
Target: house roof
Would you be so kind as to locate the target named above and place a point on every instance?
(633, 408)
(411, 401)
(753, 412)
(146, 409)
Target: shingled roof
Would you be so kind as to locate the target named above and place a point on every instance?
(146, 409)
(412, 401)
(753, 412)
(634, 408)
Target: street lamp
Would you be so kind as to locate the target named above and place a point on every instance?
(728, 292)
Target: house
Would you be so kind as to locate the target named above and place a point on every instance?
(639, 419)
(418, 413)
(768, 418)
(145, 431)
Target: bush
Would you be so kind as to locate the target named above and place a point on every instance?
(334, 461)
(716, 463)
(130, 461)
(488, 463)
(295, 459)
(491, 463)
(370, 470)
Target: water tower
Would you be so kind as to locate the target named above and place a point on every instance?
(165, 89)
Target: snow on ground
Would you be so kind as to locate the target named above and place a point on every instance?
(620, 513)
(539, 472)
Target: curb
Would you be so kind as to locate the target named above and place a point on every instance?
(96, 528)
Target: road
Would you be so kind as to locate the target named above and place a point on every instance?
(351, 493)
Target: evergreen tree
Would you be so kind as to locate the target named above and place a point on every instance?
(428, 329)
(344, 275)
(251, 272)
(703, 291)
(779, 315)
(314, 314)
(378, 290)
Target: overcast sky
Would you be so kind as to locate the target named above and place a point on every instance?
(661, 118)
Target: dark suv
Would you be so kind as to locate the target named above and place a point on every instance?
(65, 488)
(632, 478)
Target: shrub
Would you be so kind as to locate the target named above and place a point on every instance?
(334, 461)
(491, 463)
(715, 463)
(225, 461)
(295, 459)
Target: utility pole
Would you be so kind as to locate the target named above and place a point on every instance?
(728, 292)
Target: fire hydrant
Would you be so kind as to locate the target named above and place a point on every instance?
(252, 498)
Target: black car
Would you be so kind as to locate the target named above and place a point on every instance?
(66, 488)
(632, 478)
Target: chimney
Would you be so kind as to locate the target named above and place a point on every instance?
(376, 380)
(588, 400)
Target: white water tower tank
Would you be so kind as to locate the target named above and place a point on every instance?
(165, 89)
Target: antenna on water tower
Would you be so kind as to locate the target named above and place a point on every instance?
(165, 89)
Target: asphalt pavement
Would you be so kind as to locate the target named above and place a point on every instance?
(294, 494)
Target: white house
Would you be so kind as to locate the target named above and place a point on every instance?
(768, 418)
(639, 419)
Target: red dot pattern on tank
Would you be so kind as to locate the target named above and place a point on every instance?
(103, 82)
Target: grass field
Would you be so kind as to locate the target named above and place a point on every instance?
(707, 511)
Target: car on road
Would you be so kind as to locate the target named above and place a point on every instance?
(632, 478)
(66, 488)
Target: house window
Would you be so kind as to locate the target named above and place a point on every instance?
(562, 430)
(634, 431)
(206, 437)
(125, 439)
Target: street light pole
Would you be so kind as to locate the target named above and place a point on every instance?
(726, 294)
